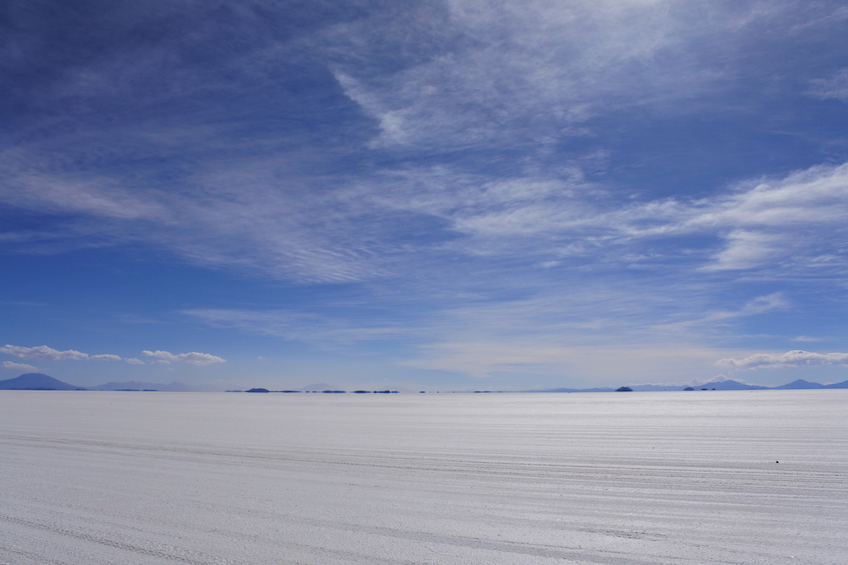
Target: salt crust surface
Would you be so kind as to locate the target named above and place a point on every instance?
(608, 478)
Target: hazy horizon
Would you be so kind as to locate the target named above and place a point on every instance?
(383, 386)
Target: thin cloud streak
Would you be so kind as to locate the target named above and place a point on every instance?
(835, 87)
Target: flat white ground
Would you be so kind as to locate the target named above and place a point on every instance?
(607, 478)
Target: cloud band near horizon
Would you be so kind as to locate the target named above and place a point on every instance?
(50, 354)
(790, 359)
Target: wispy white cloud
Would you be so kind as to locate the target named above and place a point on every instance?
(97, 196)
(312, 327)
(577, 59)
(43, 352)
(835, 86)
(759, 305)
(193, 358)
(12, 366)
(790, 359)
(500, 73)
(787, 222)
(694, 323)
(781, 225)
(238, 217)
(105, 357)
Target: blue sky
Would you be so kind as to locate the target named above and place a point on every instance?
(436, 195)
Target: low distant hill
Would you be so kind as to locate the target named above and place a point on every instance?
(801, 384)
(843, 384)
(730, 385)
(36, 381)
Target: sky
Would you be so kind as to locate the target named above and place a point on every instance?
(458, 194)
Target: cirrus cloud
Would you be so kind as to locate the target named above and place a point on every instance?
(835, 86)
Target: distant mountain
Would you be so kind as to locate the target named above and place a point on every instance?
(40, 381)
(36, 381)
(139, 385)
(800, 384)
(843, 384)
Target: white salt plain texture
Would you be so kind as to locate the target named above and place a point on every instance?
(607, 478)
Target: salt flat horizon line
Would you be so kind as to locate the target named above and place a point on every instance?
(41, 381)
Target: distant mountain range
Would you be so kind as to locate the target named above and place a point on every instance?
(39, 381)
(715, 385)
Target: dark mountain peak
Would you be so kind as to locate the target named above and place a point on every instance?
(36, 381)
(801, 383)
